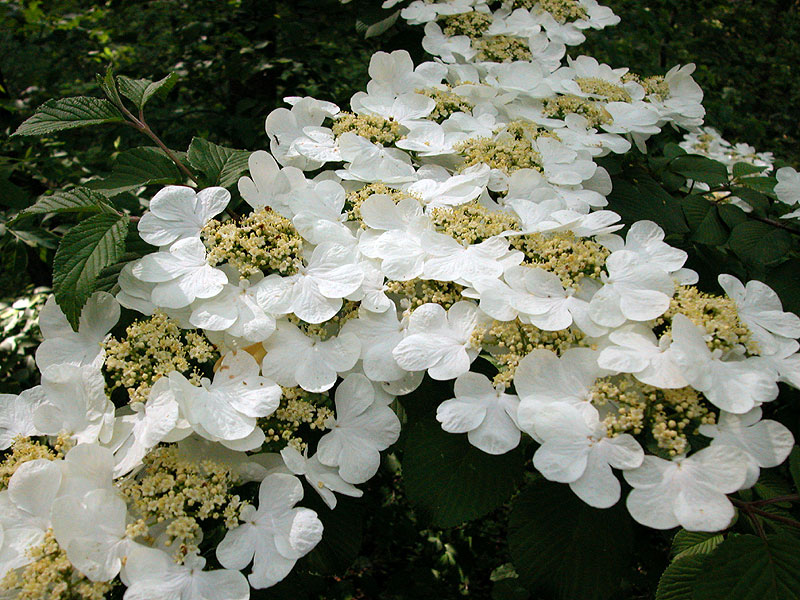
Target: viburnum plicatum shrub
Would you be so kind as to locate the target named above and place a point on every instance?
(473, 252)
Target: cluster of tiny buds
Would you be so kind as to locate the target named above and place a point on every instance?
(151, 349)
(372, 127)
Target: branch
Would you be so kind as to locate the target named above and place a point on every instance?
(142, 127)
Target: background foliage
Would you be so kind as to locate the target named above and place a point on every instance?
(235, 60)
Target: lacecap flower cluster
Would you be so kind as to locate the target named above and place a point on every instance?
(450, 222)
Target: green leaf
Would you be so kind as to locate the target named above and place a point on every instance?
(221, 166)
(743, 169)
(640, 197)
(747, 567)
(381, 26)
(109, 87)
(450, 480)
(700, 168)
(68, 113)
(678, 580)
(785, 280)
(794, 466)
(704, 220)
(757, 200)
(688, 543)
(765, 185)
(563, 547)
(342, 540)
(76, 200)
(771, 485)
(135, 248)
(140, 91)
(732, 215)
(84, 252)
(137, 167)
(759, 243)
(11, 195)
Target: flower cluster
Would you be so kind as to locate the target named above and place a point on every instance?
(450, 224)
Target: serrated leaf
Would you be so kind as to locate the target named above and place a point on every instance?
(794, 466)
(759, 243)
(700, 168)
(68, 113)
(109, 87)
(564, 548)
(137, 167)
(677, 581)
(743, 169)
(84, 252)
(450, 480)
(381, 26)
(747, 567)
(76, 200)
(688, 543)
(220, 165)
(140, 91)
(135, 248)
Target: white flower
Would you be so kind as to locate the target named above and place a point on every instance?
(178, 212)
(275, 535)
(73, 400)
(576, 450)
(92, 531)
(452, 191)
(226, 409)
(439, 340)
(735, 386)
(765, 443)
(760, 308)
(395, 235)
(324, 479)
(63, 345)
(318, 214)
(152, 574)
(284, 127)
(466, 264)
(315, 293)
(16, 417)
(485, 413)
(379, 333)
(538, 297)
(371, 162)
(646, 239)
(25, 511)
(634, 349)
(361, 429)
(543, 378)
(687, 491)
(181, 274)
(294, 358)
(234, 311)
(633, 290)
(150, 423)
(788, 187)
(270, 185)
(406, 108)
